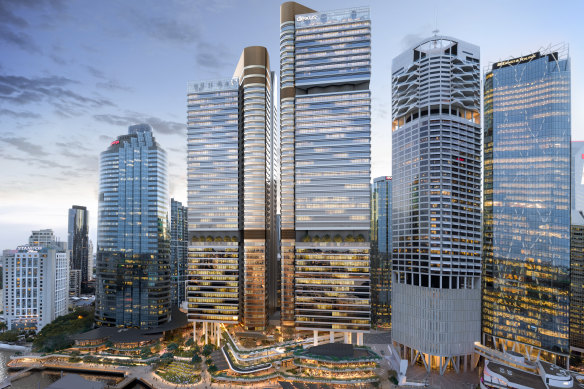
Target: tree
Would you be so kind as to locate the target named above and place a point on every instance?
(196, 359)
(189, 342)
(172, 347)
(338, 238)
(208, 349)
(3, 326)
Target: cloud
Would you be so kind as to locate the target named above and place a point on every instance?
(20, 90)
(22, 144)
(113, 85)
(95, 72)
(19, 115)
(159, 125)
(40, 162)
(20, 39)
(212, 56)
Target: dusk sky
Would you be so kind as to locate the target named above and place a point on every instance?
(75, 74)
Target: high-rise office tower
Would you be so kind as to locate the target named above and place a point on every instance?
(232, 195)
(325, 112)
(577, 251)
(78, 242)
(381, 251)
(36, 285)
(133, 244)
(90, 261)
(436, 214)
(179, 239)
(526, 243)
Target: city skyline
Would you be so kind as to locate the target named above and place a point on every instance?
(57, 79)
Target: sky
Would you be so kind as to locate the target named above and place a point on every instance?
(75, 74)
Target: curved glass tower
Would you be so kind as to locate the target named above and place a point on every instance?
(133, 247)
(436, 214)
(526, 269)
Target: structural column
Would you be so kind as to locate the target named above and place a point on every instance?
(315, 338)
(332, 337)
(195, 331)
(359, 339)
(205, 330)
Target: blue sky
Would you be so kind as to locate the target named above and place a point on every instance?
(75, 74)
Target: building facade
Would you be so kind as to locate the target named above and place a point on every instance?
(232, 192)
(577, 250)
(381, 251)
(325, 122)
(179, 245)
(36, 286)
(526, 247)
(436, 211)
(78, 241)
(133, 248)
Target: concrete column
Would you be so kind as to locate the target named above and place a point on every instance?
(205, 330)
(195, 331)
(217, 334)
(347, 337)
(465, 362)
(332, 337)
(359, 339)
(315, 338)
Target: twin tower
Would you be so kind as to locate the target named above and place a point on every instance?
(279, 202)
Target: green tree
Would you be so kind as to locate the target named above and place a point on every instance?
(3, 326)
(208, 349)
(196, 359)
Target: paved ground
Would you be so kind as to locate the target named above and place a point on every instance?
(379, 341)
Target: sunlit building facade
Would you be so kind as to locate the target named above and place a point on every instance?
(233, 143)
(325, 112)
(381, 251)
(526, 247)
(436, 204)
(133, 242)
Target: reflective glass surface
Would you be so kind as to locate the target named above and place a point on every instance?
(526, 272)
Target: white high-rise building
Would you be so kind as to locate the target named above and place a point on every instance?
(36, 286)
(436, 204)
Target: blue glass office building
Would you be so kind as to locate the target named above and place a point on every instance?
(78, 241)
(325, 108)
(133, 243)
(381, 251)
(526, 247)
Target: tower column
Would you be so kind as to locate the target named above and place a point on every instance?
(315, 338)
(205, 330)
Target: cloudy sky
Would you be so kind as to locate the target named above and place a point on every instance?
(75, 74)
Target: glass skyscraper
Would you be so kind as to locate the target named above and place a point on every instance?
(233, 147)
(133, 247)
(436, 211)
(325, 108)
(577, 251)
(78, 242)
(526, 248)
(179, 239)
(381, 251)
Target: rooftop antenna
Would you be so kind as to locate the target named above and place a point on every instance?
(436, 31)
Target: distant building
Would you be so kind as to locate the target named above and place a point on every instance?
(46, 237)
(133, 247)
(78, 241)
(74, 282)
(36, 286)
(526, 216)
(91, 262)
(577, 251)
(381, 251)
(179, 246)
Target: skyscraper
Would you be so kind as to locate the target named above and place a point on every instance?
(179, 239)
(436, 214)
(232, 192)
(526, 248)
(36, 286)
(577, 251)
(133, 248)
(325, 112)
(381, 251)
(78, 241)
